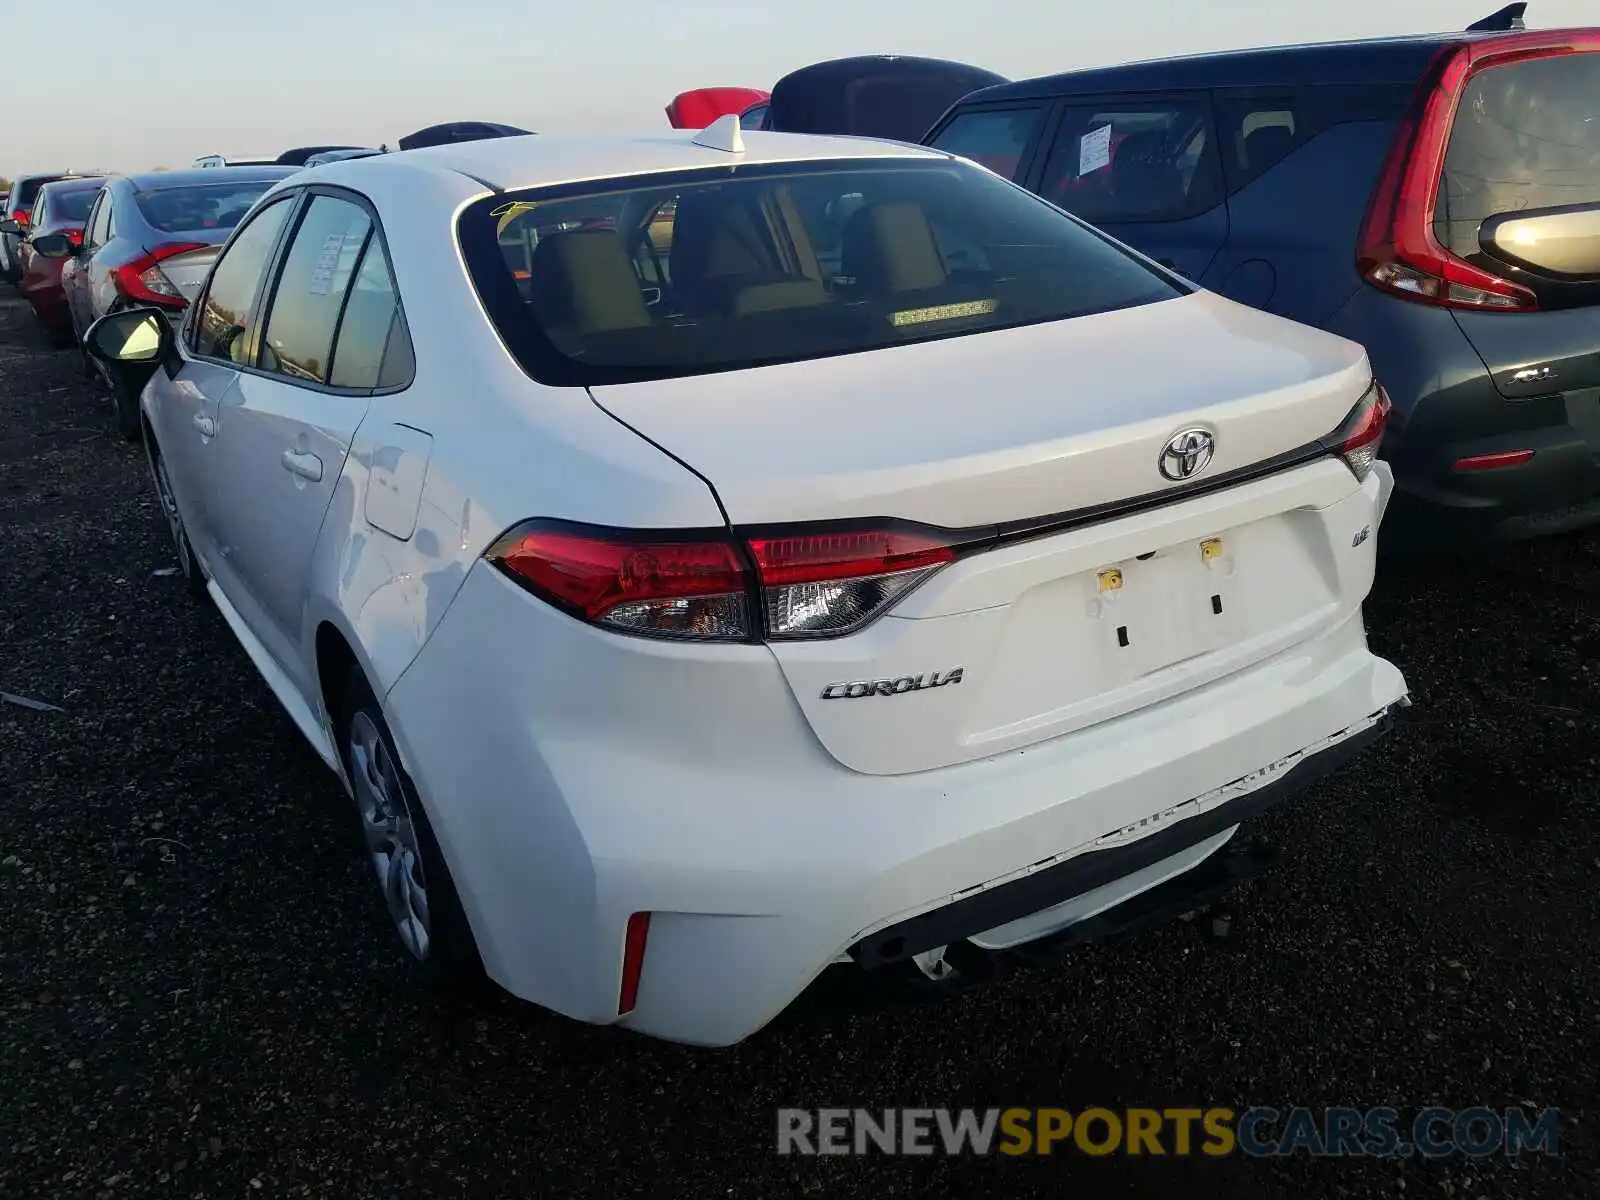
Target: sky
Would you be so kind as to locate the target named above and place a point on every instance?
(137, 86)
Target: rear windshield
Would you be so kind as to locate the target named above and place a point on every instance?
(706, 271)
(1526, 136)
(27, 190)
(200, 206)
(73, 206)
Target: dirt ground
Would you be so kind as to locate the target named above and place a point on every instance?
(198, 996)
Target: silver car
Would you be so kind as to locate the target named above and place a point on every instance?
(150, 240)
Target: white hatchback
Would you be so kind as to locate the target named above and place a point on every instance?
(707, 558)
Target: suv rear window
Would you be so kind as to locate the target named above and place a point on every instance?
(712, 270)
(26, 190)
(1526, 136)
(202, 206)
(1135, 162)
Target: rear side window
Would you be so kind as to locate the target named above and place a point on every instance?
(713, 270)
(205, 206)
(317, 270)
(1526, 136)
(373, 348)
(1135, 162)
(997, 138)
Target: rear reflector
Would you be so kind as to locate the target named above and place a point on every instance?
(1490, 462)
(633, 944)
(705, 585)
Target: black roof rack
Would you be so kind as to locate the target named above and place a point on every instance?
(1507, 20)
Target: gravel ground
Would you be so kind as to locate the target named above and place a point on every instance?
(198, 996)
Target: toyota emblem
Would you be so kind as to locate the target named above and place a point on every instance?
(1187, 453)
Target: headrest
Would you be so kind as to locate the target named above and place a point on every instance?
(1144, 175)
(713, 236)
(583, 280)
(890, 248)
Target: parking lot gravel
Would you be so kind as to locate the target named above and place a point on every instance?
(199, 996)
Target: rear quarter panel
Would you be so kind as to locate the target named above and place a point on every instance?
(1291, 246)
(501, 449)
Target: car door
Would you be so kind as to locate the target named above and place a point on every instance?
(98, 292)
(182, 404)
(1146, 170)
(1005, 138)
(284, 429)
(75, 271)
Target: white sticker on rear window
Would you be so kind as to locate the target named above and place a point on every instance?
(327, 262)
(1094, 150)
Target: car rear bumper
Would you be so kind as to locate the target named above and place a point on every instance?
(706, 801)
(1556, 490)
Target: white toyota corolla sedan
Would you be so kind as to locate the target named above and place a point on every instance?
(706, 558)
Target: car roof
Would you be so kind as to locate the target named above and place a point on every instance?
(152, 181)
(76, 183)
(1367, 60)
(541, 160)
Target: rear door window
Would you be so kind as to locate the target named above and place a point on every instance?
(1526, 136)
(997, 138)
(1127, 163)
(317, 270)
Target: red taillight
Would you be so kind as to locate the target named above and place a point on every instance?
(1362, 433)
(75, 236)
(142, 281)
(701, 586)
(633, 944)
(20, 216)
(1491, 462)
(676, 588)
(1398, 250)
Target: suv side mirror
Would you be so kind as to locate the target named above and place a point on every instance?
(129, 337)
(53, 245)
(10, 226)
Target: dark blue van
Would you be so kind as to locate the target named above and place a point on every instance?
(1435, 198)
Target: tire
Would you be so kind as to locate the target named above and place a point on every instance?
(188, 565)
(419, 896)
(130, 425)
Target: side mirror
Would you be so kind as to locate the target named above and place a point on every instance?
(134, 335)
(10, 226)
(1561, 241)
(53, 245)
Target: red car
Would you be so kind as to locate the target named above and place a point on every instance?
(697, 109)
(61, 208)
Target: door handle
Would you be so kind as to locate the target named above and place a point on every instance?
(307, 466)
(206, 426)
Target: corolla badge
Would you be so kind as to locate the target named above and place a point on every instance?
(1187, 453)
(862, 688)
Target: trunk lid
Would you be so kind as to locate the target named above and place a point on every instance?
(187, 271)
(991, 433)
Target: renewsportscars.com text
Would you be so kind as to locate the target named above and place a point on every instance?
(1258, 1132)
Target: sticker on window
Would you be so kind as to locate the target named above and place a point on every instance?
(1094, 150)
(327, 262)
(943, 312)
